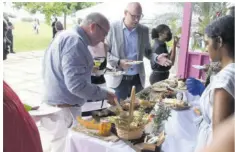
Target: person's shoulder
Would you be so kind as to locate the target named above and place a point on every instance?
(69, 34)
(66, 37)
(115, 24)
(226, 75)
(143, 27)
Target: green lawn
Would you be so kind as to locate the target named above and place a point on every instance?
(26, 40)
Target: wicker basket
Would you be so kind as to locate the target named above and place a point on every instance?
(130, 135)
(134, 134)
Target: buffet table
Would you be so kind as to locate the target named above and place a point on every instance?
(78, 142)
(180, 134)
(180, 130)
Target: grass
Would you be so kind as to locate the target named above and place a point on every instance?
(25, 38)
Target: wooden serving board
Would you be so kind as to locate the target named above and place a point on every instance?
(94, 133)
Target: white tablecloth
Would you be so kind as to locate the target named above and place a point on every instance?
(181, 130)
(96, 105)
(90, 106)
(78, 142)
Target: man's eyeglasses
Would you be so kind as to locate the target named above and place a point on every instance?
(103, 30)
(136, 16)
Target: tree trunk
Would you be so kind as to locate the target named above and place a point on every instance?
(65, 15)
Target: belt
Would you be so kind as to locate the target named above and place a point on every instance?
(160, 71)
(65, 105)
(130, 77)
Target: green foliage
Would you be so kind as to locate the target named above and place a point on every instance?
(52, 8)
(27, 107)
(207, 12)
(25, 38)
(161, 114)
(175, 29)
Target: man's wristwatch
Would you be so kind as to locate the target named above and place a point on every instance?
(156, 57)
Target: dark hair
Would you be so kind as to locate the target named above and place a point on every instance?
(58, 26)
(159, 29)
(222, 27)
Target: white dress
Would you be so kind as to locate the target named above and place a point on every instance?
(224, 79)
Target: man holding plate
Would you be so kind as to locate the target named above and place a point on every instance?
(128, 42)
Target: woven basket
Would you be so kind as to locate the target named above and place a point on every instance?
(130, 135)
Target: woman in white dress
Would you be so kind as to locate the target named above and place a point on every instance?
(217, 100)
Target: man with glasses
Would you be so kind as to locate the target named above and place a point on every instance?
(129, 41)
(67, 69)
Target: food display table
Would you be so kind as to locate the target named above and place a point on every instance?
(180, 130)
(79, 142)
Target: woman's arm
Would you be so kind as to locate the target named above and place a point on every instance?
(223, 137)
(173, 51)
(223, 106)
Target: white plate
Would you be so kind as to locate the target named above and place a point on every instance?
(199, 67)
(44, 110)
(118, 73)
(178, 89)
(134, 62)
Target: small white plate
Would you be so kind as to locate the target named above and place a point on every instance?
(134, 62)
(178, 89)
(118, 73)
(199, 67)
(44, 110)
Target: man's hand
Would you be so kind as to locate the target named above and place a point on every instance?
(111, 97)
(163, 60)
(124, 64)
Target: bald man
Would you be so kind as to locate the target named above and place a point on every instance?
(129, 41)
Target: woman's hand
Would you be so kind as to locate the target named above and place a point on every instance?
(176, 41)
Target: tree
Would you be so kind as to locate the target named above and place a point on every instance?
(50, 9)
(207, 12)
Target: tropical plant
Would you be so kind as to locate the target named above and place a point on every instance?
(207, 12)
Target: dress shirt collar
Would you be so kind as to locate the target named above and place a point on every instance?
(82, 33)
(124, 27)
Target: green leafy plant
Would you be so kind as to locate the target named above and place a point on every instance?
(161, 114)
(27, 107)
